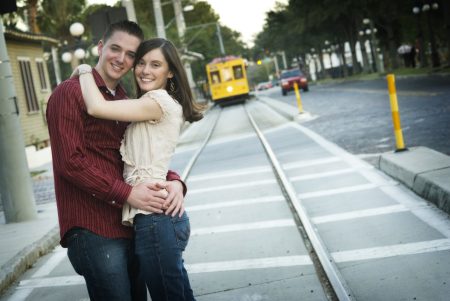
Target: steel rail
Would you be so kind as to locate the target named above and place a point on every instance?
(191, 162)
(338, 283)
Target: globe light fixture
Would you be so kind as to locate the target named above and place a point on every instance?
(435, 6)
(416, 10)
(361, 33)
(79, 53)
(313, 50)
(366, 21)
(368, 31)
(87, 55)
(94, 51)
(426, 7)
(76, 29)
(326, 42)
(375, 30)
(66, 57)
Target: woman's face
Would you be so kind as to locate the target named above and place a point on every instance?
(152, 71)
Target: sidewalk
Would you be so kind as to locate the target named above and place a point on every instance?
(423, 170)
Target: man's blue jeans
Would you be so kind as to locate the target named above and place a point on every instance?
(160, 242)
(109, 266)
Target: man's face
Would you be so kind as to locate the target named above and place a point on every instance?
(116, 57)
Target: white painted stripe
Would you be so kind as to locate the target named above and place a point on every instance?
(53, 281)
(58, 255)
(293, 165)
(392, 251)
(336, 191)
(262, 263)
(231, 173)
(322, 174)
(236, 203)
(232, 186)
(219, 140)
(248, 226)
(359, 214)
(21, 295)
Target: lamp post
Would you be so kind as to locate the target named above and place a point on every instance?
(373, 45)
(314, 56)
(419, 35)
(76, 30)
(434, 54)
(328, 50)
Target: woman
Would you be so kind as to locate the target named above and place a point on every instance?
(164, 101)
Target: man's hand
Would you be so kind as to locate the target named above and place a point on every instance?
(148, 197)
(175, 199)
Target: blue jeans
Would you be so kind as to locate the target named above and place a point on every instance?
(109, 266)
(160, 242)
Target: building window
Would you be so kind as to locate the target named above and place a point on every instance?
(28, 86)
(40, 66)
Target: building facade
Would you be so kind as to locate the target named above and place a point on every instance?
(31, 82)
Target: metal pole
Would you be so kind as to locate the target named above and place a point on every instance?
(284, 59)
(275, 59)
(446, 8)
(422, 49)
(378, 62)
(56, 65)
(129, 6)
(220, 39)
(434, 54)
(395, 114)
(16, 189)
(298, 98)
(160, 30)
(181, 25)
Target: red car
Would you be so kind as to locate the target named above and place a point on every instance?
(289, 77)
(264, 86)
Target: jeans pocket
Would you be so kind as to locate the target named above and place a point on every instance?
(182, 229)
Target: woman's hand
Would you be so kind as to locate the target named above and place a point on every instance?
(77, 70)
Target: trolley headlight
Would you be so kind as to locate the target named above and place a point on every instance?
(229, 89)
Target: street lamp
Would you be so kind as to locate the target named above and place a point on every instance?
(373, 45)
(434, 54)
(76, 30)
(419, 36)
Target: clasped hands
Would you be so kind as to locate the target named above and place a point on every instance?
(151, 197)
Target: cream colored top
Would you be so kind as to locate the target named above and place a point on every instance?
(148, 147)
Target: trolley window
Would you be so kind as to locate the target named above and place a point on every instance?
(226, 73)
(237, 70)
(215, 77)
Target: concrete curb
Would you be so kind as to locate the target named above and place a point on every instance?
(424, 171)
(16, 266)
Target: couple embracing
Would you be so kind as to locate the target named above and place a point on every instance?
(121, 211)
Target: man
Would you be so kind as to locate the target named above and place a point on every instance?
(89, 187)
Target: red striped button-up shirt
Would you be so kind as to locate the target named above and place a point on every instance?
(87, 165)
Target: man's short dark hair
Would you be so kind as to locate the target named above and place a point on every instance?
(127, 26)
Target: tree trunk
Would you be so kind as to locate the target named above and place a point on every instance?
(322, 65)
(32, 17)
(392, 48)
(351, 39)
(366, 68)
(342, 52)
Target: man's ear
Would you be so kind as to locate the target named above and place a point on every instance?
(100, 47)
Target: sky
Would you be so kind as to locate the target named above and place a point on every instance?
(244, 16)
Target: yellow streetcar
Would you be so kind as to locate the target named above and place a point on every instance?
(228, 80)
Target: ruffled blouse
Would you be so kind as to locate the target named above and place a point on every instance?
(148, 147)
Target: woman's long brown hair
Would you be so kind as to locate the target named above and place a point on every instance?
(192, 110)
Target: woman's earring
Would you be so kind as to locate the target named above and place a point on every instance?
(172, 85)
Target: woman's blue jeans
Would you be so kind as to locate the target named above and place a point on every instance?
(160, 242)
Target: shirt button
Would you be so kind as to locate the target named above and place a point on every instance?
(93, 194)
(107, 92)
(113, 202)
(117, 122)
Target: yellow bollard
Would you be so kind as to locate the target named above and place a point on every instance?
(395, 114)
(298, 98)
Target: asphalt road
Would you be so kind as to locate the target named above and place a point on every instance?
(357, 116)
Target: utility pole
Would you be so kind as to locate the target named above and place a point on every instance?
(129, 6)
(181, 24)
(160, 29)
(284, 60)
(222, 50)
(374, 49)
(275, 59)
(16, 189)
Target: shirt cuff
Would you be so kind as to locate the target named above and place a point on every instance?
(118, 194)
(173, 177)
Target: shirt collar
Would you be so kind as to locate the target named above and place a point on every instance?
(120, 91)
